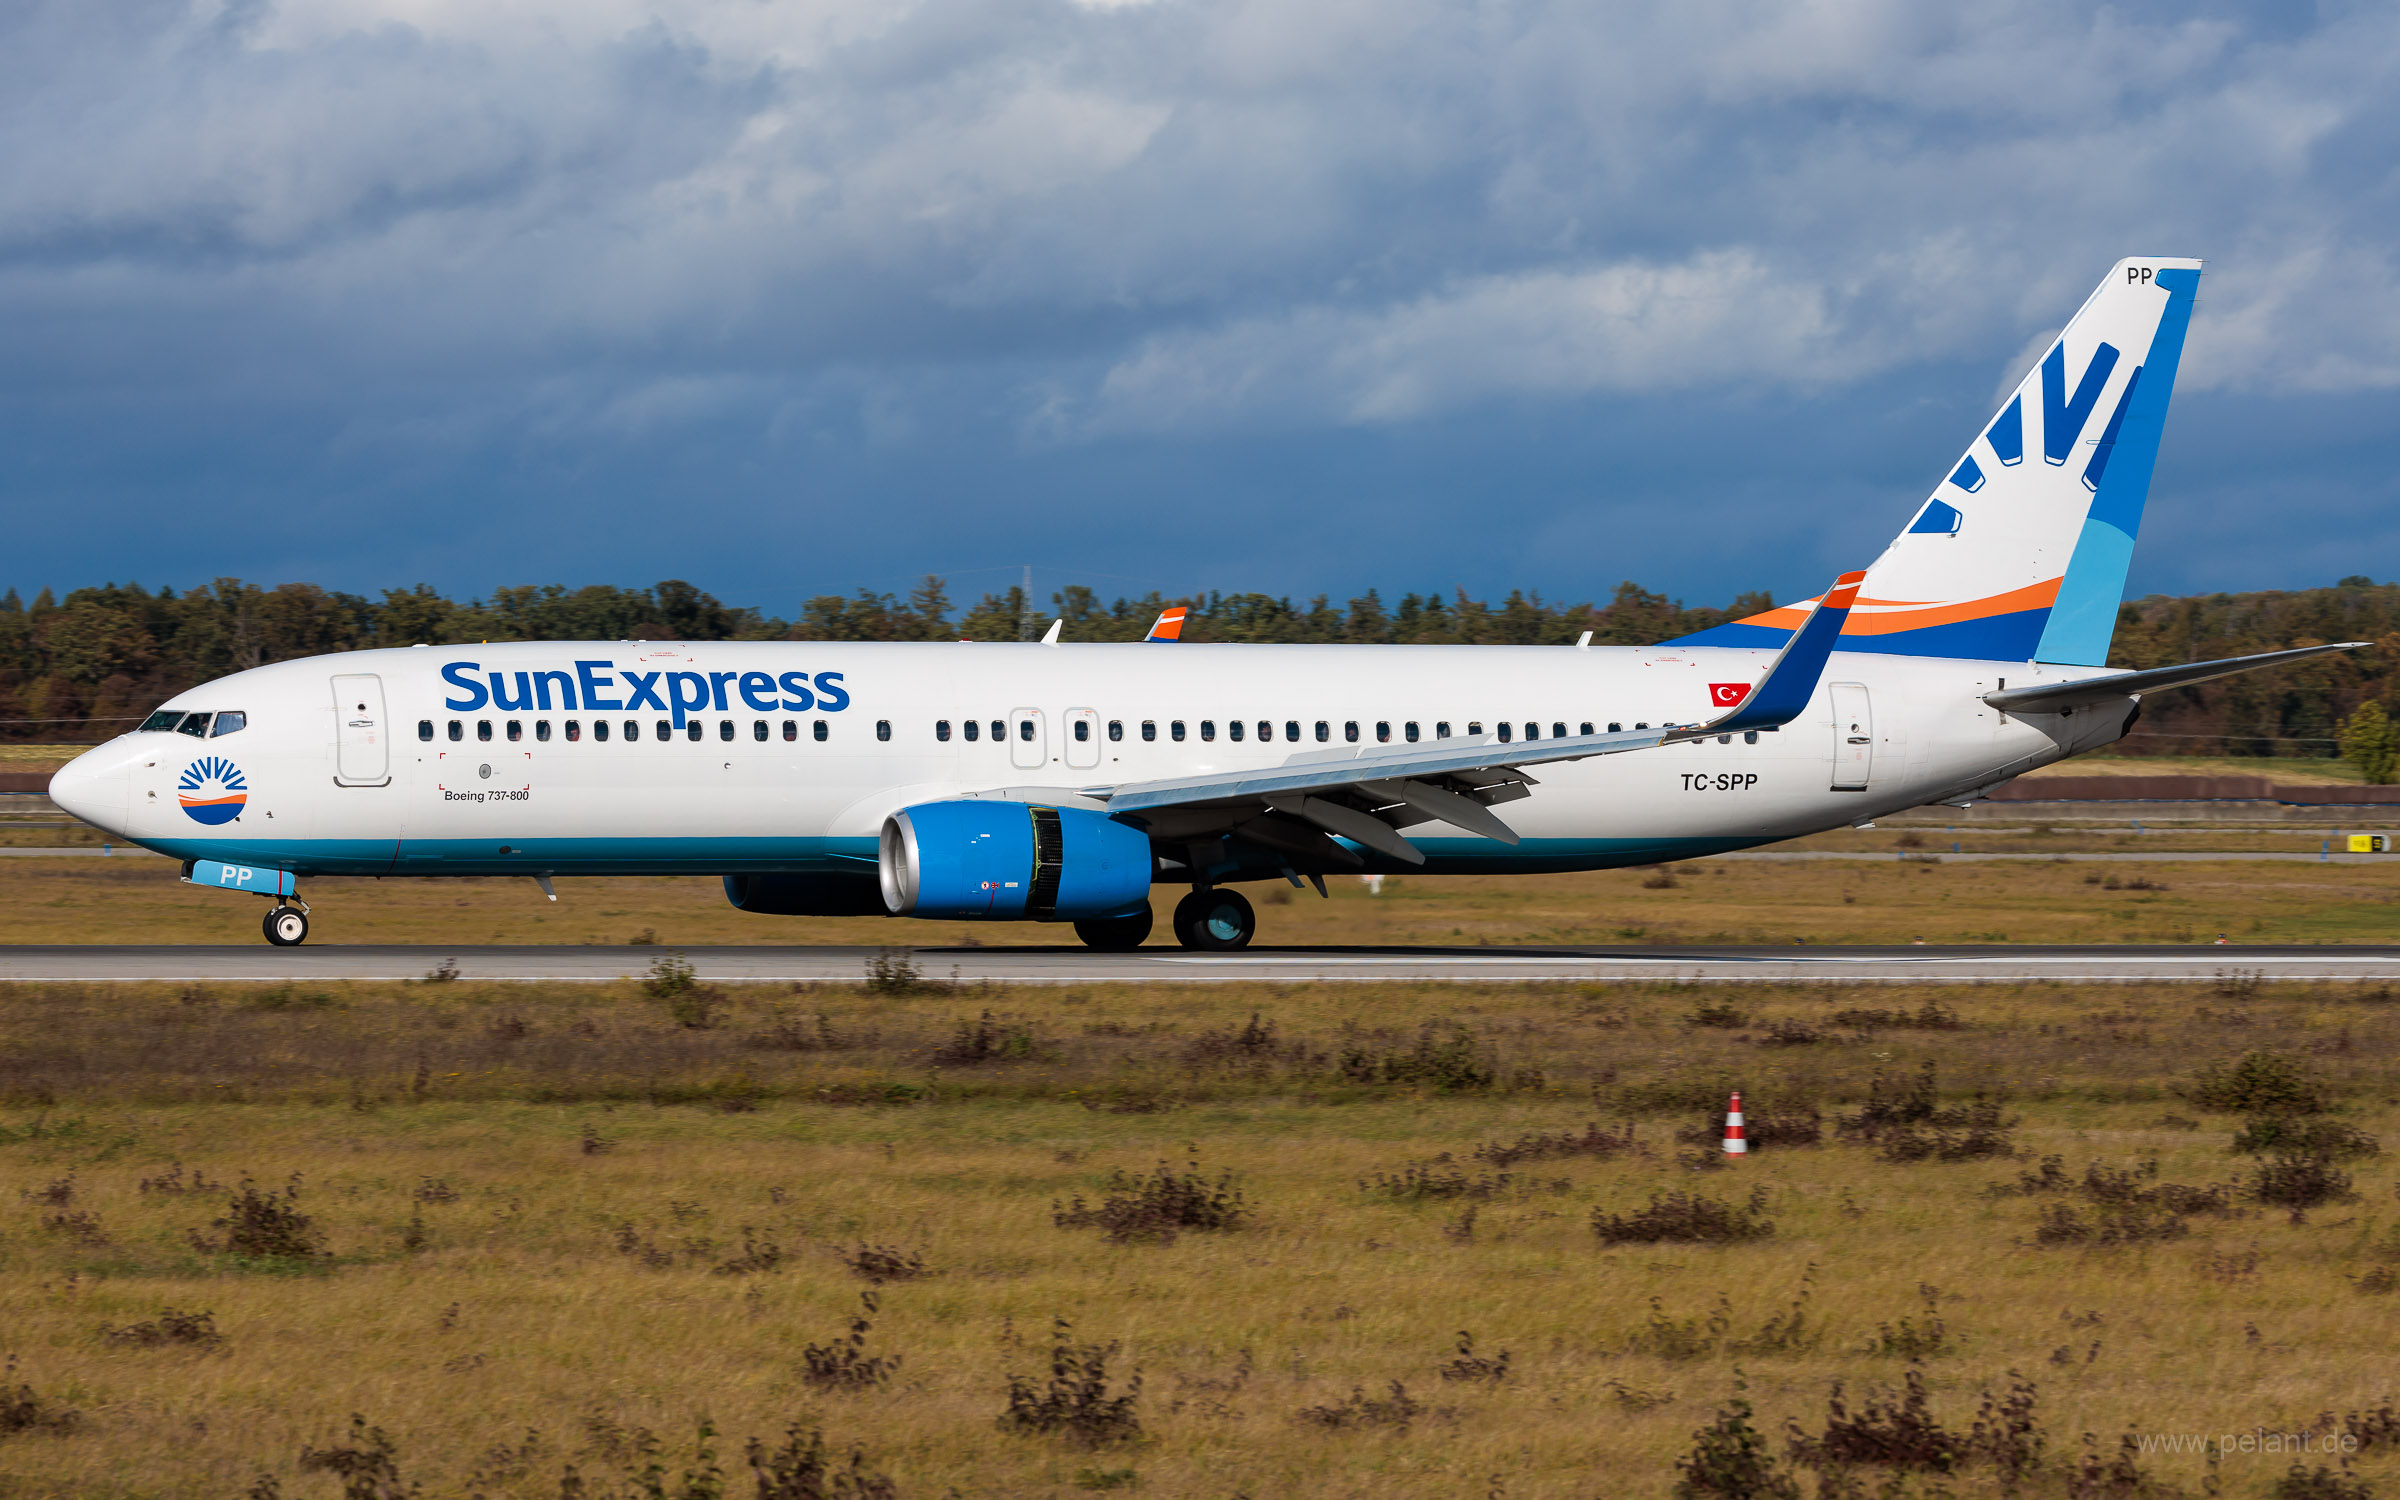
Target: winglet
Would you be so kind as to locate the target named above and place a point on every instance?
(1169, 626)
(1792, 679)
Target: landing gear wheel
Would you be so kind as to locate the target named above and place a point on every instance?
(287, 926)
(1218, 920)
(1115, 934)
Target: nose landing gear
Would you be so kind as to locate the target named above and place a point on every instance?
(1215, 919)
(287, 926)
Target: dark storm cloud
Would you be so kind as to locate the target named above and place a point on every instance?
(794, 295)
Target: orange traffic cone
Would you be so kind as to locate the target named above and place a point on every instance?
(1735, 1143)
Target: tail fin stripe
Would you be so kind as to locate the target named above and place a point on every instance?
(2062, 420)
(2007, 436)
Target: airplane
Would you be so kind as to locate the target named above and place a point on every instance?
(1063, 783)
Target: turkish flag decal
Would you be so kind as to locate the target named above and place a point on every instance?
(1727, 694)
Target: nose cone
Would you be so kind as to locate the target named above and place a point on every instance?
(95, 786)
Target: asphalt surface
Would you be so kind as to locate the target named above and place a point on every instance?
(2203, 963)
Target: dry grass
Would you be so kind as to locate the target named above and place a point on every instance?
(489, 1274)
(140, 901)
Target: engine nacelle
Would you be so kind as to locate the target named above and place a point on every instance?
(1004, 861)
(805, 895)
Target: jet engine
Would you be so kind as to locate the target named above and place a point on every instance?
(1004, 861)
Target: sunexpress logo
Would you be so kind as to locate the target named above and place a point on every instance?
(604, 687)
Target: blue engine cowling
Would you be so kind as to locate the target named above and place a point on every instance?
(1011, 861)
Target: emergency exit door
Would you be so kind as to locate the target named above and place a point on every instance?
(1853, 737)
(1028, 746)
(362, 742)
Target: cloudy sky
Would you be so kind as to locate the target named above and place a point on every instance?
(793, 296)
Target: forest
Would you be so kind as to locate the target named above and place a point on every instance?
(77, 666)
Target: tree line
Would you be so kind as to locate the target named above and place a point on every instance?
(76, 666)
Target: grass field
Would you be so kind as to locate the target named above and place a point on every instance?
(553, 1227)
(90, 900)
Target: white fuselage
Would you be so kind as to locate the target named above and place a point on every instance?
(477, 760)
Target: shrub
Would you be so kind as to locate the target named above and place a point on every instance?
(1665, 1337)
(1730, 1460)
(1686, 1218)
(2300, 1482)
(22, 1409)
(264, 1225)
(2304, 1135)
(2121, 1224)
(192, 1330)
(2299, 1180)
(881, 1263)
(173, 1181)
(757, 1255)
(1927, 1017)
(844, 1364)
(986, 1039)
(1790, 1032)
(788, 1034)
(1252, 1042)
(1723, 1015)
(1358, 1409)
(2119, 1475)
(802, 1469)
(1590, 1141)
(676, 985)
(1158, 1205)
(1468, 1365)
(1898, 1432)
(895, 971)
(368, 1465)
(1440, 1177)
(2258, 1082)
(1076, 1402)
(1911, 1339)
(1446, 1059)
(1908, 1122)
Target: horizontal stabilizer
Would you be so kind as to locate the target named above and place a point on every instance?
(2050, 697)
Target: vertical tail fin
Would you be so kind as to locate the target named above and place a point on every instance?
(2021, 554)
(1169, 625)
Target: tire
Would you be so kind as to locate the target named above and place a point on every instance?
(1115, 934)
(286, 926)
(1216, 920)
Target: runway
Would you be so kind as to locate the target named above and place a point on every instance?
(1074, 965)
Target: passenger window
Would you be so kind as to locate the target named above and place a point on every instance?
(1349, 731)
(1587, 729)
(1474, 726)
(1083, 730)
(541, 729)
(1175, 731)
(1643, 725)
(973, 729)
(1208, 729)
(633, 730)
(758, 730)
(425, 729)
(1559, 731)
(1441, 729)
(694, 731)
(1233, 731)
(574, 730)
(1291, 730)
(819, 731)
(1383, 732)
(1116, 730)
(724, 729)
(195, 725)
(1266, 731)
(999, 731)
(1505, 731)
(1616, 728)
(666, 731)
(1533, 731)
(516, 730)
(458, 731)
(1150, 730)
(1411, 731)
(483, 729)
(941, 730)
(1025, 730)
(791, 729)
(232, 721)
(600, 731)
(883, 729)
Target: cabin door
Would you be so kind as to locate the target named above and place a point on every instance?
(361, 739)
(1853, 737)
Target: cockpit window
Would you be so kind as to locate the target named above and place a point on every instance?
(195, 725)
(162, 721)
(229, 721)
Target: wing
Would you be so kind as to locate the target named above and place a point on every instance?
(1368, 794)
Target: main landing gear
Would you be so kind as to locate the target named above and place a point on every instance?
(1215, 919)
(287, 926)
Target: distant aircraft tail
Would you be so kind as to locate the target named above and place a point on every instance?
(2020, 555)
(1169, 626)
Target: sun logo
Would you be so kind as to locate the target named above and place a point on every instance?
(212, 790)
